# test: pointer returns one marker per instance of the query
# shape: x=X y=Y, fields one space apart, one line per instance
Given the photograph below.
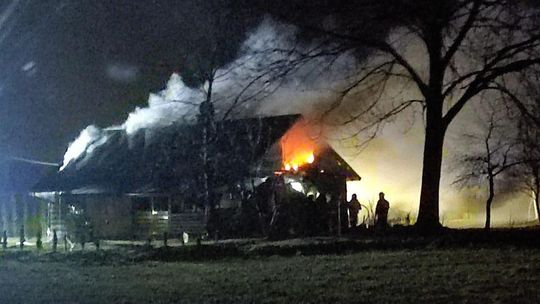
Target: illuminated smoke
x=392 y=162
x=165 y=108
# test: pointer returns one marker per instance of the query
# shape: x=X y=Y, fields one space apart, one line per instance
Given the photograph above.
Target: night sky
x=67 y=64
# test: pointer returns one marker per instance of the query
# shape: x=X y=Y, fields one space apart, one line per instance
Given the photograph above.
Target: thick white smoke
x=233 y=88
x=89 y=139
x=173 y=104
x=165 y=108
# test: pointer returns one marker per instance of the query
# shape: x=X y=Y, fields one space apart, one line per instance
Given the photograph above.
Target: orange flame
x=297 y=147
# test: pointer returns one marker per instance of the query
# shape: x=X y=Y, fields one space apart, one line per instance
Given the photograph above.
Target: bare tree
x=527 y=100
x=206 y=64
x=528 y=173
x=495 y=157
x=468 y=47
x=529 y=170
x=202 y=65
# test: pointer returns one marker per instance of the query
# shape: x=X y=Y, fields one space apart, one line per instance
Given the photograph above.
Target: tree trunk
x=489 y=201
x=536 y=196
x=207 y=157
x=537 y=205
x=428 y=212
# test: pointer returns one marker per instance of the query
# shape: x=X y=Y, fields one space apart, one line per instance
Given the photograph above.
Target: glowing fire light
x=297 y=147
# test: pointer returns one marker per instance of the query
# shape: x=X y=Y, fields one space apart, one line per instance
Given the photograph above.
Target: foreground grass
x=402 y=276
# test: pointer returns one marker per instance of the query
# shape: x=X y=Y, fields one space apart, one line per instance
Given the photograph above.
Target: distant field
x=463 y=275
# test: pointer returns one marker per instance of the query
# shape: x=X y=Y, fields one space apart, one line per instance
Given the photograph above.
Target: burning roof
x=298 y=146
x=165 y=159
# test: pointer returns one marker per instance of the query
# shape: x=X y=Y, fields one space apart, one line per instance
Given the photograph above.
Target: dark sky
x=67 y=64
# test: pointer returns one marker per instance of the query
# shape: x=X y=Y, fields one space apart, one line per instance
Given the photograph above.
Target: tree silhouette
x=497 y=154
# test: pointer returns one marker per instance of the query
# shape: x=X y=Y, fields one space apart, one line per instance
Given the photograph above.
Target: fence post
x=55 y=240
x=4 y=240
x=21 y=237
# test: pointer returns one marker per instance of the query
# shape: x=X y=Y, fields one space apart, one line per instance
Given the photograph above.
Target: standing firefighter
x=381 y=212
x=354 y=208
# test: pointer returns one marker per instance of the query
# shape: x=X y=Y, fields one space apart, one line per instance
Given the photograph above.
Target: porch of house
x=134 y=216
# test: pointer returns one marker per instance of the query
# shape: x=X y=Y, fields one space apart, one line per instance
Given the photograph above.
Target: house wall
x=171 y=214
x=110 y=215
x=131 y=217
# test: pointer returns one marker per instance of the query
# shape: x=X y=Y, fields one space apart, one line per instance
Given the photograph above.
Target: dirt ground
x=459 y=275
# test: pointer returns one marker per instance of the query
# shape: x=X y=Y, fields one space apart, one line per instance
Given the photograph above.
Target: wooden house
x=139 y=186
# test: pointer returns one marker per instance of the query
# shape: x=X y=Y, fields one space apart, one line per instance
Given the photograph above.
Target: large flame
x=298 y=148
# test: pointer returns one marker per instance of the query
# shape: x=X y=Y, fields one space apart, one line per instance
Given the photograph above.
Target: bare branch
x=475 y=10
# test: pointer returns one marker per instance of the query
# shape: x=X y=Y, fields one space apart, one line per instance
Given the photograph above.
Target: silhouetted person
x=354 y=208
x=381 y=211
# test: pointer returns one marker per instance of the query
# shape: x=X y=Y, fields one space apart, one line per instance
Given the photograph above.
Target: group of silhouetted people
x=339 y=214
x=280 y=214
x=381 y=211
x=344 y=214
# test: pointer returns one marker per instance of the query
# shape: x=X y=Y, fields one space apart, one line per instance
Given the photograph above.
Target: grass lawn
x=463 y=275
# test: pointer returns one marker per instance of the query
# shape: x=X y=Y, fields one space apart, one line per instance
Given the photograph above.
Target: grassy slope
x=434 y=276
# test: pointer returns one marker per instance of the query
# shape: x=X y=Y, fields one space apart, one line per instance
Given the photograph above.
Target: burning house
x=151 y=182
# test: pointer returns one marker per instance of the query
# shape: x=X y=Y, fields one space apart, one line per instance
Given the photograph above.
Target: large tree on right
x=468 y=48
